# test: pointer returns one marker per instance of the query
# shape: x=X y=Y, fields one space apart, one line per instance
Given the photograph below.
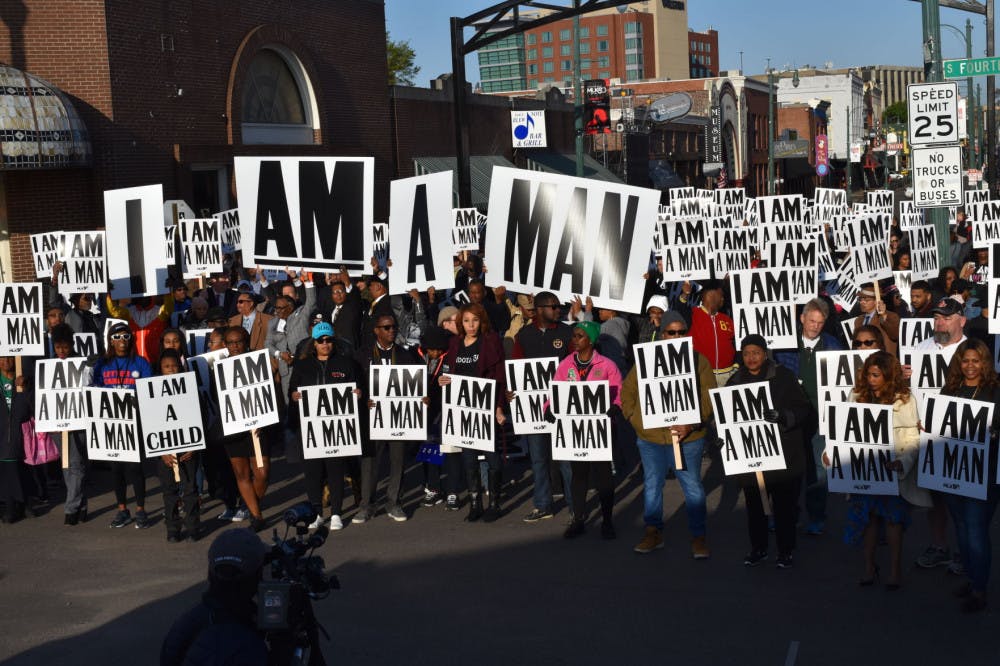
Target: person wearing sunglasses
x=319 y=364
x=875 y=312
x=802 y=362
x=868 y=338
x=657 y=453
x=384 y=351
x=118 y=369
x=255 y=323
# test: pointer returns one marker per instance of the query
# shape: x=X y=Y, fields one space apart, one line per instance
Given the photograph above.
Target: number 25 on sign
x=932 y=110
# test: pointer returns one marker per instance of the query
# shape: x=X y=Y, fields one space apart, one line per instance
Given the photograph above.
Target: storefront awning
x=39 y=128
x=481 y=170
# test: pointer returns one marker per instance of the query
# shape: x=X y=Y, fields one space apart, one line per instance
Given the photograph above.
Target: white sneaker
x=241 y=515
x=316 y=524
x=336 y=523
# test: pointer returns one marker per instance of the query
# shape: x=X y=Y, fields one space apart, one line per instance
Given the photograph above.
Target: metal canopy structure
x=493 y=24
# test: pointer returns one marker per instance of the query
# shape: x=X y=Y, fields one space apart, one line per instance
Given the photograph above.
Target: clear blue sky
x=792 y=32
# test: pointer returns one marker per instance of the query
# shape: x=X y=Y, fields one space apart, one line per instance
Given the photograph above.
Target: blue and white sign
x=527 y=129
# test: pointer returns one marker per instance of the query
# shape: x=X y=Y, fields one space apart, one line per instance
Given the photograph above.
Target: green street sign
x=960 y=69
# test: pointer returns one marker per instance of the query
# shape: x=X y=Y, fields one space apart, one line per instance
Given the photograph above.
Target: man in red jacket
x=713 y=331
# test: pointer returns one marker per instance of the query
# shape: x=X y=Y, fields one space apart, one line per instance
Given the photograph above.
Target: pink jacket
x=601 y=367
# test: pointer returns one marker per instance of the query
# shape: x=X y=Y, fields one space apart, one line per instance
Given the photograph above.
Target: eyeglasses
x=325 y=340
x=866 y=343
x=388 y=327
x=121 y=336
x=675 y=333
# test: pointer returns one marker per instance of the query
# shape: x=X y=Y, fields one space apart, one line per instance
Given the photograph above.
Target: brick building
x=704 y=50
x=169 y=92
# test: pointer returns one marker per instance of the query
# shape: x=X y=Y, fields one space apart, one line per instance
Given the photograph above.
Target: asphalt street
x=437 y=590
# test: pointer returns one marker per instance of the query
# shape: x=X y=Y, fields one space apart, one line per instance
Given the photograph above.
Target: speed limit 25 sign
x=932 y=110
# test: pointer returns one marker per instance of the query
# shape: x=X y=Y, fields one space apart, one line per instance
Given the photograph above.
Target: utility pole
x=577 y=96
x=770 y=128
x=932 y=66
x=969 y=101
x=847 y=169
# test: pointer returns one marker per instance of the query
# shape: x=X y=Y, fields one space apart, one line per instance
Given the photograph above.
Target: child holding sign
x=181 y=492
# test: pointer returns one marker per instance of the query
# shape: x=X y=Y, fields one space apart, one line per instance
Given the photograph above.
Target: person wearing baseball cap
x=222 y=629
x=317 y=364
x=796 y=420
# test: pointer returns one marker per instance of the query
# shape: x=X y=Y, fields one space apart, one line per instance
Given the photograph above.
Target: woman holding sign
x=971 y=376
x=881 y=382
x=15 y=408
x=320 y=364
x=119 y=368
x=478 y=352
x=587 y=365
x=796 y=421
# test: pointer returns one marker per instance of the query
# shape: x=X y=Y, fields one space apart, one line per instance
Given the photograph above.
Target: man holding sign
x=795 y=417
x=690 y=395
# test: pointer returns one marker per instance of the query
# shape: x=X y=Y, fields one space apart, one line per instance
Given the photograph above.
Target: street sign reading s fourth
x=932 y=110
x=960 y=69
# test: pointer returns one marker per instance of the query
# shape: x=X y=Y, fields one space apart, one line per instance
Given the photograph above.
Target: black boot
x=494 y=511
x=475 y=507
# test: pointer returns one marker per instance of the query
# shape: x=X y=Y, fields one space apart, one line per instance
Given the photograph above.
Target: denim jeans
x=972 y=525
x=657 y=460
x=540 y=452
x=816 y=490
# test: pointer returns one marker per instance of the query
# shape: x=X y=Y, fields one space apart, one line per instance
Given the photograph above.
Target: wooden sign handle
x=65 y=450
x=878 y=292
x=177 y=472
x=256 y=448
x=765 y=502
x=18 y=371
x=678 y=459
x=201 y=282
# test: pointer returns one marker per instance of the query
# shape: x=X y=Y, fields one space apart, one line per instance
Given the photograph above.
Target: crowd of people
x=330 y=328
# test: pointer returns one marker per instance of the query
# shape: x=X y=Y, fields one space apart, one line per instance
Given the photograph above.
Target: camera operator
x=222 y=628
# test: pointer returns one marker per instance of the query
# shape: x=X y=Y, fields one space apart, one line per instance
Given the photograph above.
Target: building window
x=566 y=65
x=278 y=102
x=566 y=50
x=532 y=54
x=633 y=28
x=584 y=47
x=565 y=35
x=584 y=32
x=585 y=63
x=708 y=60
x=604 y=75
x=633 y=43
x=602 y=45
x=546 y=37
x=532 y=68
x=633 y=58
x=604 y=61
x=546 y=51
x=602 y=31
x=532 y=83
x=531 y=39
x=549 y=79
x=548 y=67
x=708 y=48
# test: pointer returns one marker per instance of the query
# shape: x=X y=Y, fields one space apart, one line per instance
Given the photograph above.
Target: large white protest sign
x=860 y=448
x=780 y=208
x=171 y=240
x=881 y=200
x=923 y=252
x=468 y=413
x=419 y=227
x=530 y=380
x=170 y=414
x=86 y=344
x=398 y=393
x=929 y=369
x=466 y=226
x=836 y=375
x=749 y=442
x=763 y=305
x=59 y=400
x=84 y=267
x=196 y=340
x=328 y=419
x=955 y=446
x=380 y=243
x=571 y=236
x=229 y=228
x=668 y=383
x=868 y=241
x=245 y=392
x=689 y=207
x=201 y=246
x=913 y=331
x=729 y=202
x=21 y=329
x=844 y=290
x=685 y=250
x=732 y=250
x=985 y=220
x=133 y=216
x=46 y=250
x=826 y=267
x=582 y=431
x=903 y=280
x=202 y=365
x=112 y=432
x=314 y=212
